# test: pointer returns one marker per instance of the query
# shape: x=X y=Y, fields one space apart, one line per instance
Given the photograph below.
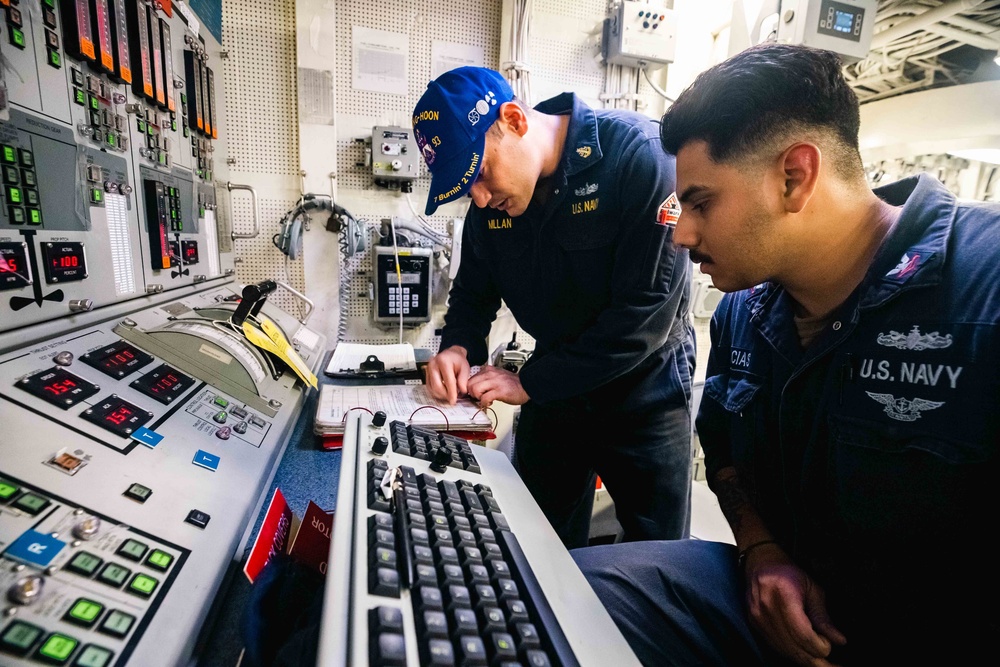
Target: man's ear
x=800 y=165
x=513 y=117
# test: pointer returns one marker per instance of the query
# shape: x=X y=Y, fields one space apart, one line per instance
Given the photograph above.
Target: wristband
x=741 y=560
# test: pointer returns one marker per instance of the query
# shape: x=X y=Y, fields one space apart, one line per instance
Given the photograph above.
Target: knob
x=81 y=305
x=87 y=527
x=126 y=189
x=64 y=358
x=380 y=445
x=397 y=165
x=378 y=419
x=442 y=458
x=26 y=590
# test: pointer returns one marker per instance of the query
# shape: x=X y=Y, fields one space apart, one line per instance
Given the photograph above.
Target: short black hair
x=741 y=105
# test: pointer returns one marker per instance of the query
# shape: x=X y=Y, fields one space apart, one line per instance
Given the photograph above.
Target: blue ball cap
x=450 y=123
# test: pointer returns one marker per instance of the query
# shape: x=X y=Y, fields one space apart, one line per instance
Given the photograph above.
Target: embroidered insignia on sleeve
x=669 y=211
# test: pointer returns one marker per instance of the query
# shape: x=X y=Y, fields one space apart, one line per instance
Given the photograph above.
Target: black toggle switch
x=442 y=459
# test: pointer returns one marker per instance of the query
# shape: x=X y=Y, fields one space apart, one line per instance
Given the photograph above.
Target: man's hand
x=495 y=384
x=447 y=374
x=788 y=608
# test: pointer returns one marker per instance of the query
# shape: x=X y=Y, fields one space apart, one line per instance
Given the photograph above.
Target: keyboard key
x=458 y=597
x=426 y=576
x=501 y=647
x=385 y=557
x=484 y=596
x=527 y=636
x=499 y=521
x=390 y=649
x=516 y=611
x=452 y=574
x=434 y=624
x=537 y=658
x=440 y=653
x=447 y=554
x=471 y=650
x=429 y=597
x=387 y=619
x=492 y=620
x=464 y=621
x=384 y=581
x=498 y=569
x=508 y=589
x=478 y=574
x=423 y=554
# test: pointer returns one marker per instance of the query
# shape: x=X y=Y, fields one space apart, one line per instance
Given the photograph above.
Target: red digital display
x=163 y=384
x=117 y=360
x=117 y=415
x=64 y=262
x=58 y=387
x=14 y=269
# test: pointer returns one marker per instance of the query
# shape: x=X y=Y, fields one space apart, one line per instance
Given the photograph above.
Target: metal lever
x=256 y=210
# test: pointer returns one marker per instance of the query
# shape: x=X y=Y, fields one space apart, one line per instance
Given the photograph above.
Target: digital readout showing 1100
x=163 y=384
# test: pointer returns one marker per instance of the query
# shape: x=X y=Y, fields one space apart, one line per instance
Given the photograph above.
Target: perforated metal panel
x=261 y=116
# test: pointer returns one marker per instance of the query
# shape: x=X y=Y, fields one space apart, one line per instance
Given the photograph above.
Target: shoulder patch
x=669 y=211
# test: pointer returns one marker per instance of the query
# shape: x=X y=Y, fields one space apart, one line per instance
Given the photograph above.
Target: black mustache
x=698 y=257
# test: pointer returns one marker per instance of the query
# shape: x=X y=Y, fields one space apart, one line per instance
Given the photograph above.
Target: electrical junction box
x=641 y=34
x=409 y=292
x=842 y=26
x=395 y=156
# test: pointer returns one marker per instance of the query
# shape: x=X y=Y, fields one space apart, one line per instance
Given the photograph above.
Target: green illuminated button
x=221 y=402
x=57 y=648
x=132 y=549
x=159 y=560
x=117 y=623
x=173 y=125
x=150 y=129
x=141 y=126
x=9 y=154
x=114 y=575
x=187 y=133
x=14 y=196
x=16 y=37
x=80 y=97
x=31 y=503
x=143 y=585
x=184 y=98
x=19 y=637
x=7 y=490
x=96 y=195
x=112 y=140
x=138 y=492
x=34 y=216
x=84 y=612
x=55 y=60
x=93 y=656
x=50 y=3
x=94 y=104
x=27 y=157
x=84 y=563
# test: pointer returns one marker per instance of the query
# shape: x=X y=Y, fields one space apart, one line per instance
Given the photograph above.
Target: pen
x=402 y=530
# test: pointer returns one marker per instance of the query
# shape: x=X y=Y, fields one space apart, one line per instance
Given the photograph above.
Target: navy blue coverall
x=595 y=279
x=870 y=455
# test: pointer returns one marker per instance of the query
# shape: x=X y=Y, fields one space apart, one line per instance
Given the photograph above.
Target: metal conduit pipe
x=921 y=22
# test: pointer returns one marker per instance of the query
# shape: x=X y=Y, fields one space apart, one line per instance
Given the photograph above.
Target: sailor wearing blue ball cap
x=571 y=226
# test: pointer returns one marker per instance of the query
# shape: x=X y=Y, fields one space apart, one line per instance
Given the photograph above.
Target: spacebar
x=536 y=602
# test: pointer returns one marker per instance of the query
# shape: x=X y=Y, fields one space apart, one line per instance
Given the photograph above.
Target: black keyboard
x=427 y=566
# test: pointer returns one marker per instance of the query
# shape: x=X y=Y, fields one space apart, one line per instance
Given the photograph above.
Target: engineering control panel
x=135 y=452
x=112 y=156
